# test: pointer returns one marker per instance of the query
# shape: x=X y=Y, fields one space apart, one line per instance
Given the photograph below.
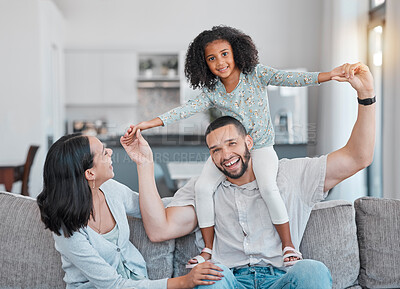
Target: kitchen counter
x=161 y=140
x=165 y=150
x=156 y=140
x=173 y=148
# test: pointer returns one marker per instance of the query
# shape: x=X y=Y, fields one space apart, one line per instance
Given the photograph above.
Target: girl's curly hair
x=245 y=55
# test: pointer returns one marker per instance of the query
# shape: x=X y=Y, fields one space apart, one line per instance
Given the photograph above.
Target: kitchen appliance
x=289 y=113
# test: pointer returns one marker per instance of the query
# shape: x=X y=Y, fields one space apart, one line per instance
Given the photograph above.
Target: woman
x=86 y=211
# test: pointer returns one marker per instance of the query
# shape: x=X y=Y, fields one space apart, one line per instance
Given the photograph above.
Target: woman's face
x=102 y=164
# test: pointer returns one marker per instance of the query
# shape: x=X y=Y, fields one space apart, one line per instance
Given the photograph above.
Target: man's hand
x=359 y=77
x=137 y=148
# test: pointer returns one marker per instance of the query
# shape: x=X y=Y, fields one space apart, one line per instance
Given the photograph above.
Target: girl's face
x=102 y=169
x=219 y=58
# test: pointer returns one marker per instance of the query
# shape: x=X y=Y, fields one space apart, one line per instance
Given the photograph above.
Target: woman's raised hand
x=137 y=148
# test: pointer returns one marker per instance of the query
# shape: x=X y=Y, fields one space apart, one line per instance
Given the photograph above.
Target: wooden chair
x=22 y=172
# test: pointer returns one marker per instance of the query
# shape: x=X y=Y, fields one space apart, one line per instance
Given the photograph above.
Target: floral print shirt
x=248 y=102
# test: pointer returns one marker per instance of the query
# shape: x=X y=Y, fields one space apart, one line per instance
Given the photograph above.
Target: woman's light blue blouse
x=122 y=270
x=90 y=261
x=248 y=102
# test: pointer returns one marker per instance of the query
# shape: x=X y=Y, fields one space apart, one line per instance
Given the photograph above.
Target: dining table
x=181 y=172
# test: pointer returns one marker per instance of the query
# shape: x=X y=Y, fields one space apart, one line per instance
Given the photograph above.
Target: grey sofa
x=360 y=245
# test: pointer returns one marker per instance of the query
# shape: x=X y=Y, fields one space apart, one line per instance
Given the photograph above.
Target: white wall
x=21 y=106
x=23 y=87
x=287 y=34
x=344 y=40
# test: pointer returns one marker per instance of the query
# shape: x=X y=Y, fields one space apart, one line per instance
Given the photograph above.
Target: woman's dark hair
x=245 y=55
x=66 y=200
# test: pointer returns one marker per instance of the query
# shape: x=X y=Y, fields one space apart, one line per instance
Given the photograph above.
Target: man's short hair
x=224 y=121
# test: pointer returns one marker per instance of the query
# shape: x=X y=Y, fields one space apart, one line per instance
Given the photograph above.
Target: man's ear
x=89 y=175
x=249 y=142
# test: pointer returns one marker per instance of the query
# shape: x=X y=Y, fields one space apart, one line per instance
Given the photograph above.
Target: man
x=245 y=239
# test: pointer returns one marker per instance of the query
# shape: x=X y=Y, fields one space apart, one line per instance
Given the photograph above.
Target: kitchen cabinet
x=101 y=77
x=158 y=70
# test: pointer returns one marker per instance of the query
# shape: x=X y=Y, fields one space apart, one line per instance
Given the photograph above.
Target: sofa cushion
x=185 y=249
x=378 y=224
x=27 y=254
x=158 y=256
x=330 y=237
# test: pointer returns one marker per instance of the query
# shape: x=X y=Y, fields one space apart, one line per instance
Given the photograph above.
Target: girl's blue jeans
x=305 y=274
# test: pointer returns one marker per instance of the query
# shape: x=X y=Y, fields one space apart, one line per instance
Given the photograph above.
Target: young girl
x=223 y=62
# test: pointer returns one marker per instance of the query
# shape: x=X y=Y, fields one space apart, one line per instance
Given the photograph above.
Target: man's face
x=229 y=150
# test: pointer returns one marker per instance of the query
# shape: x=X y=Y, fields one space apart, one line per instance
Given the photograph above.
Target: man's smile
x=231 y=162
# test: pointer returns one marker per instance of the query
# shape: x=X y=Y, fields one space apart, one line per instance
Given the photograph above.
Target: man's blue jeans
x=305 y=274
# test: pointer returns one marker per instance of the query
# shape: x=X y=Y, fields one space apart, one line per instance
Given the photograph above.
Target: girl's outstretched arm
x=198 y=104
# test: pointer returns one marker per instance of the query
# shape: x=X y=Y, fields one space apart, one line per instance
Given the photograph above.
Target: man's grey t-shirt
x=244 y=233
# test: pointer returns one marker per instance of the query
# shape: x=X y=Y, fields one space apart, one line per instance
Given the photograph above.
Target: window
x=376 y=3
x=375 y=60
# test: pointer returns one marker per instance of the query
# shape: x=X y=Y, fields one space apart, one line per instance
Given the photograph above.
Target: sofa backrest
x=29 y=259
x=331 y=237
x=159 y=257
x=27 y=255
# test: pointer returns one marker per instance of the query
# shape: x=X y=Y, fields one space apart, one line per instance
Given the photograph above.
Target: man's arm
x=358 y=152
x=160 y=224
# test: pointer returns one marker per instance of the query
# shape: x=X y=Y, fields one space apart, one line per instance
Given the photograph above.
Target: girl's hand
x=129 y=135
x=137 y=148
x=204 y=271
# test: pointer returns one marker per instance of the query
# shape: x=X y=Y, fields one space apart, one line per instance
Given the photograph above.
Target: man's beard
x=245 y=164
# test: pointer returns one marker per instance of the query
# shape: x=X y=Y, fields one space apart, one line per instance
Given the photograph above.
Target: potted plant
x=172 y=65
x=146 y=65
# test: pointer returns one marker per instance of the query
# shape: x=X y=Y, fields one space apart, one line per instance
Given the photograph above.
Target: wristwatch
x=367 y=101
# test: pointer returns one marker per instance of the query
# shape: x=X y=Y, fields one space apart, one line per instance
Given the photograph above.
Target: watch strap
x=366 y=101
